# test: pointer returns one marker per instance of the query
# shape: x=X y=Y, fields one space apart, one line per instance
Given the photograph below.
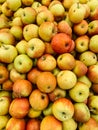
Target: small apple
x=38 y=100
x=46 y=2
x=16 y=123
x=48 y=49
x=55 y=71
x=3 y=121
x=5 y=93
x=16 y=21
x=95 y=88
x=21 y=65
x=7 y=85
x=63 y=109
x=27 y=2
x=94 y=14
x=81 y=112
x=67 y=4
x=80 y=92
x=66 y=79
x=19 y=107
x=7 y=53
x=30 y=31
x=48 y=111
x=35 y=48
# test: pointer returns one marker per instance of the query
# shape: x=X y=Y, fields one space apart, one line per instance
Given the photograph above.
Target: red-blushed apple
x=92 y=104
x=28 y=15
x=92 y=73
x=91 y=124
x=61 y=43
x=22 y=88
x=38 y=7
x=16 y=124
x=46 y=82
x=74 y=12
x=92 y=28
x=50 y=122
x=30 y=31
x=93 y=44
x=3 y=121
x=81 y=112
x=7 y=53
x=63 y=109
x=46 y=62
x=82 y=43
x=47 y=30
x=88 y=57
x=14 y=5
x=81 y=28
x=21 y=65
x=15 y=75
x=80 y=92
x=46 y=2
x=43 y=16
x=48 y=49
x=94 y=87
x=80 y=68
x=48 y=111
x=56 y=93
x=38 y=100
x=34 y=113
x=64 y=27
x=70 y=124
x=94 y=14
x=4 y=105
x=4 y=74
x=27 y=2
x=35 y=48
x=19 y=107
x=66 y=79
x=66 y=61
x=7 y=85
x=33 y=124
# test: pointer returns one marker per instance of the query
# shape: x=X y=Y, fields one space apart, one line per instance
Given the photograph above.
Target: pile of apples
x=48 y=64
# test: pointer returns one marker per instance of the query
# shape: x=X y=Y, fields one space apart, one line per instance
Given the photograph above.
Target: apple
x=56 y=93
x=92 y=28
x=48 y=111
x=95 y=117
x=61 y=43
x=3 y=121
x=43 y=16
x=16 y=123
x=55 y=71
x=81 y=28
x=21 y=65
x=7 y=53
x=28 y=15
x=81 y=112
x=74 y=12
x=66 y=79
x=93 y=4
x=70 y=124
x=14 y=5
x=34 y=113
x=33 y=124
x=91 y=124
x=16 y=21
x=95 y=88
x=15 y=75
x=46 y=62
x=5 y=93
x=38 y=100
x=80 y=68
x=92 y=44
x=22 y=88
x=66 y=61
x=49 y=49
x=92 y=73
x=82 y=43
x=39 y=7
x=80 y=92
x=30 y=31
x=35 y=48
x=94 y=14
x=88 y=11
x=4 y=74
x=4 y=105
x=67 y=4
x=4 y=22
x=47 y=30
x=46 y=2
x=18 y=12
x=21 y=46
x=83 y=1
x=51 y=122
x=27 y=2
x=7 y=85
x=19 y=107
x=63 y=109
x=88 y=58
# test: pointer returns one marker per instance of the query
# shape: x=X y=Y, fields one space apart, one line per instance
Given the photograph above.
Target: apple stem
x=78 y=5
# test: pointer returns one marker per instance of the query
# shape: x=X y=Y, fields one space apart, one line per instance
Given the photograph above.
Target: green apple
x=80 y=92
x=14 y=5
x=21 y=65
x=66 y=79
x=30 y=31
x=4 y=121
x=63 y=109
x=5 y=93
x=88 y=58
x=55 y=71
x=81 y=112
x=93 y=4
x=48 y=111
x=70 y=124
x=7 y=53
